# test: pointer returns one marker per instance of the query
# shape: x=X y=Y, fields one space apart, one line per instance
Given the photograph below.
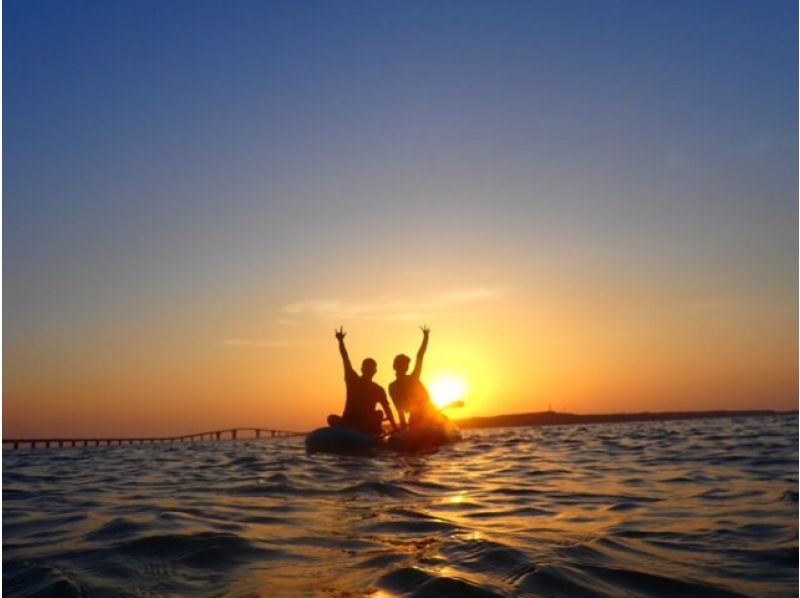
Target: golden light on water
x=446 y=388
x=456 y=500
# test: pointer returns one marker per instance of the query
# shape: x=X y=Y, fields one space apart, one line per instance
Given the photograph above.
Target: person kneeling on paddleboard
x=362 y=396
x=409 y=394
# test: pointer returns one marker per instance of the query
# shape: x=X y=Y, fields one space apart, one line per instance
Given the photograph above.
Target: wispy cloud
x=393 y=309
x=420 y=309
x=471 y=295
x=286 y=322
x=253 y=343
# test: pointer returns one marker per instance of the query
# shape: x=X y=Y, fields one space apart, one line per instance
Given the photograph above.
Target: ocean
x=679 y=508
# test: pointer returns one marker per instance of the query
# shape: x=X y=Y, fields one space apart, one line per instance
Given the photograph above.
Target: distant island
x=553 y=418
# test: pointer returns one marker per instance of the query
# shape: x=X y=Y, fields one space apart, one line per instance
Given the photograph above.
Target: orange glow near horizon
x=507 y=353
x=567 y=342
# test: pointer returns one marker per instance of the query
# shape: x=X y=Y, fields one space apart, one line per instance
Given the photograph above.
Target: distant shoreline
x=553 y=418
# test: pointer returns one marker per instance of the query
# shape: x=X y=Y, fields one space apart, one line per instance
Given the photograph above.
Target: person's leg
x=372 y=425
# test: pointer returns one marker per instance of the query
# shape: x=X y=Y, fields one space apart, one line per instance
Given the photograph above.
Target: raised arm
x=348 y=367
x=421 y=353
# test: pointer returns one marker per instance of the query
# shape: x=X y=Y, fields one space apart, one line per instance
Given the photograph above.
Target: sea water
x=689 y=508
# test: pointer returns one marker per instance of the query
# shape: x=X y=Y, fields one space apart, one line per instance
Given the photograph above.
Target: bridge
x=226 y=434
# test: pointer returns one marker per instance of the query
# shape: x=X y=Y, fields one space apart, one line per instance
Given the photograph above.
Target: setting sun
x=446 y=388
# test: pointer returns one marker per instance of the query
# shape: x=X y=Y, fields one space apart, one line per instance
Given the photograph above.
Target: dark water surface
x=691 y=508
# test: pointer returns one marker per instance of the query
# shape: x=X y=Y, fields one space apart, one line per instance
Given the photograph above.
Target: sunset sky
x=592 y=204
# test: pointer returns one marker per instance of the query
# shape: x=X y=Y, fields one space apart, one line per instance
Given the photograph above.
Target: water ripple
x=642 y=509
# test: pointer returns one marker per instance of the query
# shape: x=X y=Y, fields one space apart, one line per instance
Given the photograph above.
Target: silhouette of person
x=362 y=396
x=407 y=391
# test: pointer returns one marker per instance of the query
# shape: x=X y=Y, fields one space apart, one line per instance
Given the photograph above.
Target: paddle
x=453 y=405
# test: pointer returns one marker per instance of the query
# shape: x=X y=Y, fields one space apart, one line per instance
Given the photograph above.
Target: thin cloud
x=286 y=322
x=472 y=295
x=253 y=343
x=393 y=309
x=311 y=306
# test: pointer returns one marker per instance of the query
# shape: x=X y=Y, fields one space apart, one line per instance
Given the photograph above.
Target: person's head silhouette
x=401 y=363
x=368 y=368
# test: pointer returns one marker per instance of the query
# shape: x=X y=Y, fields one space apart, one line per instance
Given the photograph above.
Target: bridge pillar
x=258 y=433
x=16 y=445
x=273 y=433
x=234 y=433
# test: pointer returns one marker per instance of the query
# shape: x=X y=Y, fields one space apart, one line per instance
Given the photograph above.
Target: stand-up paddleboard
x=341 y=441
x=348 y=441
x=423 y=438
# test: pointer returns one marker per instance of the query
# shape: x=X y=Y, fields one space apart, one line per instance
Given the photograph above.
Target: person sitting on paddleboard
x=407 y=391
x=362 y=396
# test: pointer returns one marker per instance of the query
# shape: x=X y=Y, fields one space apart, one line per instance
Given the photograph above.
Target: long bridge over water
x=226 y=434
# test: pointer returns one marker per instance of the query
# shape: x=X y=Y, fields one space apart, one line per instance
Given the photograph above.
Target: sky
x=592 y=205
